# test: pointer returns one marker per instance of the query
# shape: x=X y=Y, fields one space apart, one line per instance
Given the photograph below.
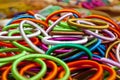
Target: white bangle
x=27 y=39
x=52 y=42
x=57 y=21
x=17 y=37
x=118 y=52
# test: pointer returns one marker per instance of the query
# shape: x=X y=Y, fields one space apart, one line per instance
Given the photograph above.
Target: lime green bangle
x=37 y=77
x=9 y=49
x=80 y=47
x=8 y=59
x=34 y=56
x=5 y=28
x=98 y=24
x=2 y=64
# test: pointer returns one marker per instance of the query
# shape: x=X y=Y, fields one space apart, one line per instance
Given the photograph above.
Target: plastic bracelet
x=46 y=40
x=60 y=11
x=82 y=53
x=20 y=16
x=37 y=77
x=27 y=39
x=112 y=72
x=106 y=19
x=17 y=37
x=110 y=47
x=70 y=46
x=51 y=64
x=117 y=52
x=17 y=75
x=57 y=21
x=8 y=59
x=101 y=24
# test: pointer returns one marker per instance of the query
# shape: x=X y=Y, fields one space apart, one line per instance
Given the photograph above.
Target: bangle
x=70 y=46
x=17 y=37
x=117 y=52
x=20 y=16
x=46 y=40
x=27 y=39
x=57 y=21
x=19 y=77
x=112 y=75
x=60 y=11
x=82 y=53
x=110 y=47
x=105 y=19
x=101 y=24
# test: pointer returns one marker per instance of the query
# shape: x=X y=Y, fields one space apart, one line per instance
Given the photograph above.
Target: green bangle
x=80 y=47
x=9 y=49
x=76 y=50
x=5 y=28
x=19 y=77
x=37 y=77
x=99 y=24
x=8 y=59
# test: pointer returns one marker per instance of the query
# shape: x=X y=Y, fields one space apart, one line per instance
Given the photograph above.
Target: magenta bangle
x=64 y=38
x=45 y=48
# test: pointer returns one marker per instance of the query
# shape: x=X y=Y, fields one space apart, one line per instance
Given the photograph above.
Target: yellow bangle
x=98 y=24
x=109 y=48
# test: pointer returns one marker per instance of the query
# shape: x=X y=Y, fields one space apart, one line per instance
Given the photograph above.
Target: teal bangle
x=32 y=56
x=80 y=47
x=8 y=59
x=5 y=28
x=39 y=74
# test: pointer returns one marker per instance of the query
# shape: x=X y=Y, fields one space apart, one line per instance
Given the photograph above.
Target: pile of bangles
x=60 y=47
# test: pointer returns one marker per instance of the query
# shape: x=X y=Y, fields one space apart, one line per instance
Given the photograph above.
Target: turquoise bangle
x=80 y=47
x=34 y=56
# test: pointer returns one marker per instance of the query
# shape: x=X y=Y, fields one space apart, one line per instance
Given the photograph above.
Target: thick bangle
x=27 y=39
x=17 y=37
x=61 y=11
x=101 y=24
x=46 y=40
x=70 y=46
x=19 y=77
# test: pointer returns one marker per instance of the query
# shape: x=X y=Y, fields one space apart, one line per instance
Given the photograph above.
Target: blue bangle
x=78 y=55
x=102 y=53
x=18 y=17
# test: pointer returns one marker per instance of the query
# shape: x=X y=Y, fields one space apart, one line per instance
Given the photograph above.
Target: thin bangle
x=17 y=37
x=45 y=26
x=117 y=52
x=101 y=24
x=112 y=72
x=105 y=19
x=57 y=21
x=27 y=39
x=82 y=53
x=18 y=76
x=20 y=16
x=5 y=73
x=46 y=40
x=70 y=46
x=37 y=77
x=60 y=11
x=110 y=47
x=109 y=61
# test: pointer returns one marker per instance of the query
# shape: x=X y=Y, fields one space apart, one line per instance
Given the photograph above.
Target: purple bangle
x=64 y=38
x=93 y=58
x=45 y=48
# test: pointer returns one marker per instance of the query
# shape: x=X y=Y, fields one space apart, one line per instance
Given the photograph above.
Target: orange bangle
x=61 y=11
x=106 y=19
x=30 y=12
x=5 y=73
x=112 y=72
x=50 y=64
x=45 y=26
